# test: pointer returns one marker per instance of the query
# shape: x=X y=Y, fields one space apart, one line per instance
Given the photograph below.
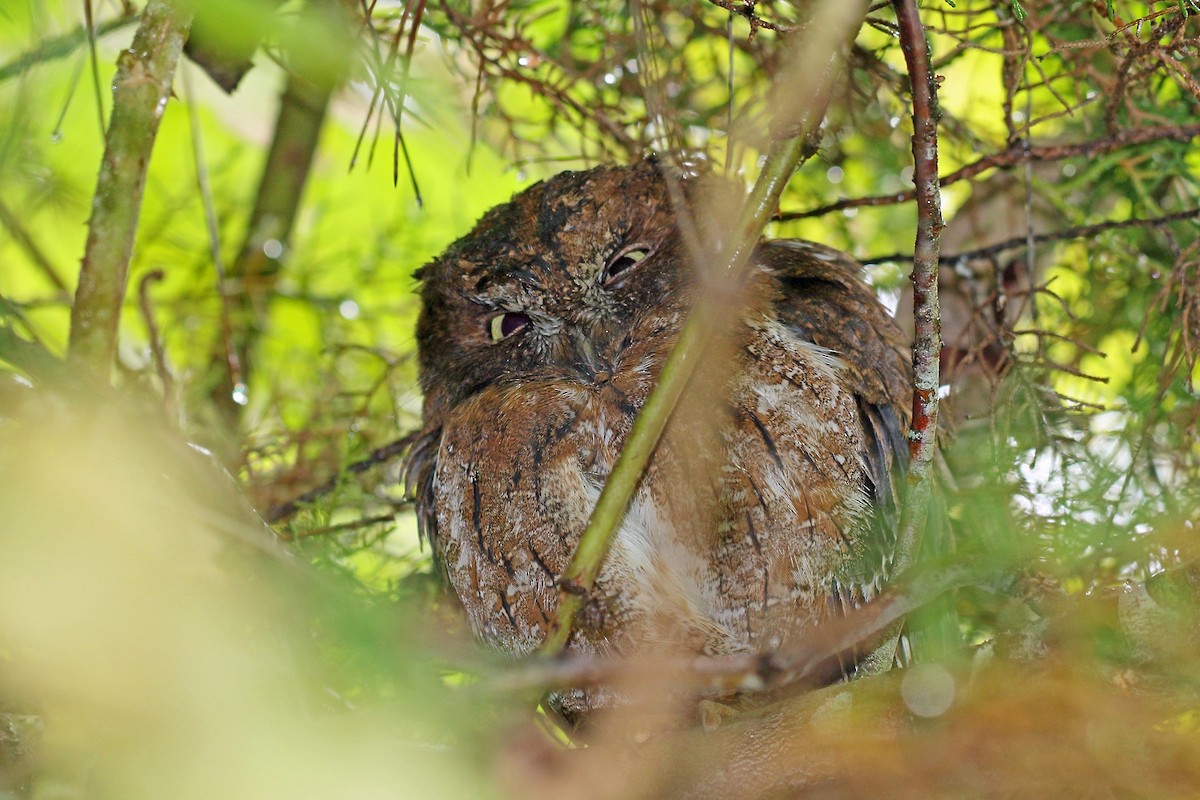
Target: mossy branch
x=140 y=92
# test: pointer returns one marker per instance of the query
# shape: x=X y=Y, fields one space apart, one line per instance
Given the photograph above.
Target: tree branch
x=341 y=527
x=927 y=339
x=746 y=11
x=12 y=223
x=319 y=50
x=140 y=92
x=156 y=348
x=256 y=269
x=858 y=631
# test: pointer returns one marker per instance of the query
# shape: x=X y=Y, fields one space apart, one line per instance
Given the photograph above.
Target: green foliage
x=172 y=650
x=1071 y=456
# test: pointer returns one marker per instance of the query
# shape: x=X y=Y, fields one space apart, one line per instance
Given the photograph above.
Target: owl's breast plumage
x=726 y=556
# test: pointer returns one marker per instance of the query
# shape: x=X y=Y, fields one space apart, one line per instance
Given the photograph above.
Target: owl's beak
x=589 y=362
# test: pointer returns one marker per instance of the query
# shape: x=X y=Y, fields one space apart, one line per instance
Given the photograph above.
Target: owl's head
x=571 y=280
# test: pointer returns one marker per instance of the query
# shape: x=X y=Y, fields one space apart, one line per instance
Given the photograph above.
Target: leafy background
x=152 y=637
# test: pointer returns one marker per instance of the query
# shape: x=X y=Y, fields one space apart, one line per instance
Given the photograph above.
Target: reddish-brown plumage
x=542 y=333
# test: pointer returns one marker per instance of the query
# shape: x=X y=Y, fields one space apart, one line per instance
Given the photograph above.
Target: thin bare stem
x=746 y=11
x=156 y=348
x=140 y=93
x=927 y=340
x=1078 y=232
x=90 y=22
x=754 y=672
x=382 y=455
x=1017 y=153
x=341 y=527
x=214 y=232
x=16 y=229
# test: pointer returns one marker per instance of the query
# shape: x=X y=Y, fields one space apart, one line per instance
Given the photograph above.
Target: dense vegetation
x=157 y=638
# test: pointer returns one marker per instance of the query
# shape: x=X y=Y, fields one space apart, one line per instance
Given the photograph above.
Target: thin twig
x=60 y=46
x=156 y=347
x=214 y=233
x=1078 y=232
x=12 y=223
x=382 y=455
x=745 y=10
x=140 y=93
x=90 y=22
x=341 y=527
x=255 y=270
x=1014 y=155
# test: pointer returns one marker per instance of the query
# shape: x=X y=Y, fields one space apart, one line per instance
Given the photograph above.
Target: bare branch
x=927 y=339
x=156 y=348
x=256 y=269
x=1078 y=232
x=16 y=229
x=808 y=655
x=1015 y=155
x=745 y=10
x=341 y=527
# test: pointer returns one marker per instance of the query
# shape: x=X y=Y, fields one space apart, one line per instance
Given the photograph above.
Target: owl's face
x=575 y=279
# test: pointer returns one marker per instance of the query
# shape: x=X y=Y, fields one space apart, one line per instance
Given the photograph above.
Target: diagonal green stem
x=697 y=332
x=799 y=115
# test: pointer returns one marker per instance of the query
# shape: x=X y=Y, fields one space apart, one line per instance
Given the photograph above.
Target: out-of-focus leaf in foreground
x=171 y=650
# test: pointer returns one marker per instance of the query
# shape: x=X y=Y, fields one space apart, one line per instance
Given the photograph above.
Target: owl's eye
x=505 y=325
x=625 y=260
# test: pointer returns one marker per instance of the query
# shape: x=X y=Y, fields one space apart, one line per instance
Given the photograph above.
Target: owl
x=766 y=506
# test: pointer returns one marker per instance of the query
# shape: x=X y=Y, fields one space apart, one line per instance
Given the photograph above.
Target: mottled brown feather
x=766 y=508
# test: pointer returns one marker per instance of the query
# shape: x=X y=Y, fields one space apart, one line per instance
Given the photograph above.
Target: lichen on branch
x=927 y=340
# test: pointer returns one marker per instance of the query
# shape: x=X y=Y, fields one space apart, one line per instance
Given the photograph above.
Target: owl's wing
x=825 y=301
x=419 y=470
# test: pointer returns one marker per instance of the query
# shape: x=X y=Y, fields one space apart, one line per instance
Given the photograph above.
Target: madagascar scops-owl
x=541 y=334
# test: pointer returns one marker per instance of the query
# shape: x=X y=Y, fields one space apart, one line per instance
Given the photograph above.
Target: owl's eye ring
x=624 y=260
x=506 y=324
